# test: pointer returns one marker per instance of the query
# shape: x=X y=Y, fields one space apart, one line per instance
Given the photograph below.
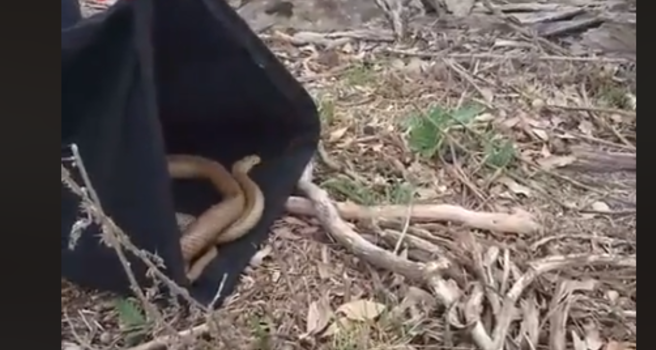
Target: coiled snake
x=226 y=221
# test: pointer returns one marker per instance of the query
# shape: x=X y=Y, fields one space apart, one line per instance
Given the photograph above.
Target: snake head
x=252 y=160
x=245 y=164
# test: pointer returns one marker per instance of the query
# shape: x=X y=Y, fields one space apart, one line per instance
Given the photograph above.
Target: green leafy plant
x=425 y=131
x=395 y=193
x=351 y=190
x=499 y=152
x=360 y=74
x=131 y=319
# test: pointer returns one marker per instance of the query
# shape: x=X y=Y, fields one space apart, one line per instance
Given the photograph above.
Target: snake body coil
x=254 y=201
x=224 y=222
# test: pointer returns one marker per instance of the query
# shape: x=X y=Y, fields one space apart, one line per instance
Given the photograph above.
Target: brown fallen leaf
x=615 y=345
x=553 y=162
x=341 y=324
x=530 y=325
x=600 y=207
x=318 y=317
x=542 y=134
x=559 y=310
x=577 y=342
x=515 y=187
x=593 y=339
x=596 y=160
x=361 y=310
x=257 y=259
x=337 y=134
x=586 y=127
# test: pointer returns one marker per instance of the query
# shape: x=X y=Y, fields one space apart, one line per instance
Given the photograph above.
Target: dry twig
x=497 y=222
x=118 y=240
x=431 y=273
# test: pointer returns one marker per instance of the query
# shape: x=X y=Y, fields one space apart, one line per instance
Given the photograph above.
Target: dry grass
x=484 y=132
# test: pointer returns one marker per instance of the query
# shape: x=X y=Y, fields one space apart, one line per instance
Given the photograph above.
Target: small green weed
x=360 y=74
x=426 y=135
x=395 y=193
x=132 y=321
x=351 y=190
x=326 y=109
x=609 y=92
x=615 y=97
x=399 y=193
x=425 y=132
x=261 y=332
x=499 y=152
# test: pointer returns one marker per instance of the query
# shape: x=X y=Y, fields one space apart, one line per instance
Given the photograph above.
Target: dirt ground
x=483 y=119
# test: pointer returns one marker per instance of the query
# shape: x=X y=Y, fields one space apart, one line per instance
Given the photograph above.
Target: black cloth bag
x=148 y=78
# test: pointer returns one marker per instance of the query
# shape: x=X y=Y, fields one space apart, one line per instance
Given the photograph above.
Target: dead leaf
x=70 y=346
x=511 y=123
x=530 y=326
x=614 y=38
x=559 y=309
x=618 y=119
x=537 y=103
x=614 y=345
x=633 y=101
x=485 y=118
x=592 y=337
x=319 y=315
x=418 y=296
x=397 y=64
x=542 y=134
x=508 y=43
x=488 y=94
x=416 y=66
x=600 y=207
x=307 y=231
x=613 y=296
x=286 y=233
x=425 y=193
x=257 y=259
x=361 y=310
x=515 y=187
x=460 y=8
x=545 y=152
x=291 y=221
x=404 y=347
x=572 y=286
x=347 y=48
x=553 y=162
x=338 y=134
x=577 y=342
x=341 y=324
x=324 y=270
x=586 y=127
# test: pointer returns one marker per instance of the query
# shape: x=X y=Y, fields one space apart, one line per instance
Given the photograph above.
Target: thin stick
x=90 y=198
x=497 y=222
x=593 y=109
x=163 y=342
x=122 y=239
x=491 y=56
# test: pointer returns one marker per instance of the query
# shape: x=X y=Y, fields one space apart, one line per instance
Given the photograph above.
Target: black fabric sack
x=153 y=77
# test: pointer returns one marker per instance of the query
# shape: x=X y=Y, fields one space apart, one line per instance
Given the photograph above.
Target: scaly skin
x=203 y=232
x=249 y=218
x=254 y=201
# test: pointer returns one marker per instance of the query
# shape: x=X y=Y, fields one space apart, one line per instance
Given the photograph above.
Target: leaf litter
x=479 y=130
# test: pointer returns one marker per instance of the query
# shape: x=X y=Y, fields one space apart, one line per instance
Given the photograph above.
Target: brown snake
x=224 y=222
